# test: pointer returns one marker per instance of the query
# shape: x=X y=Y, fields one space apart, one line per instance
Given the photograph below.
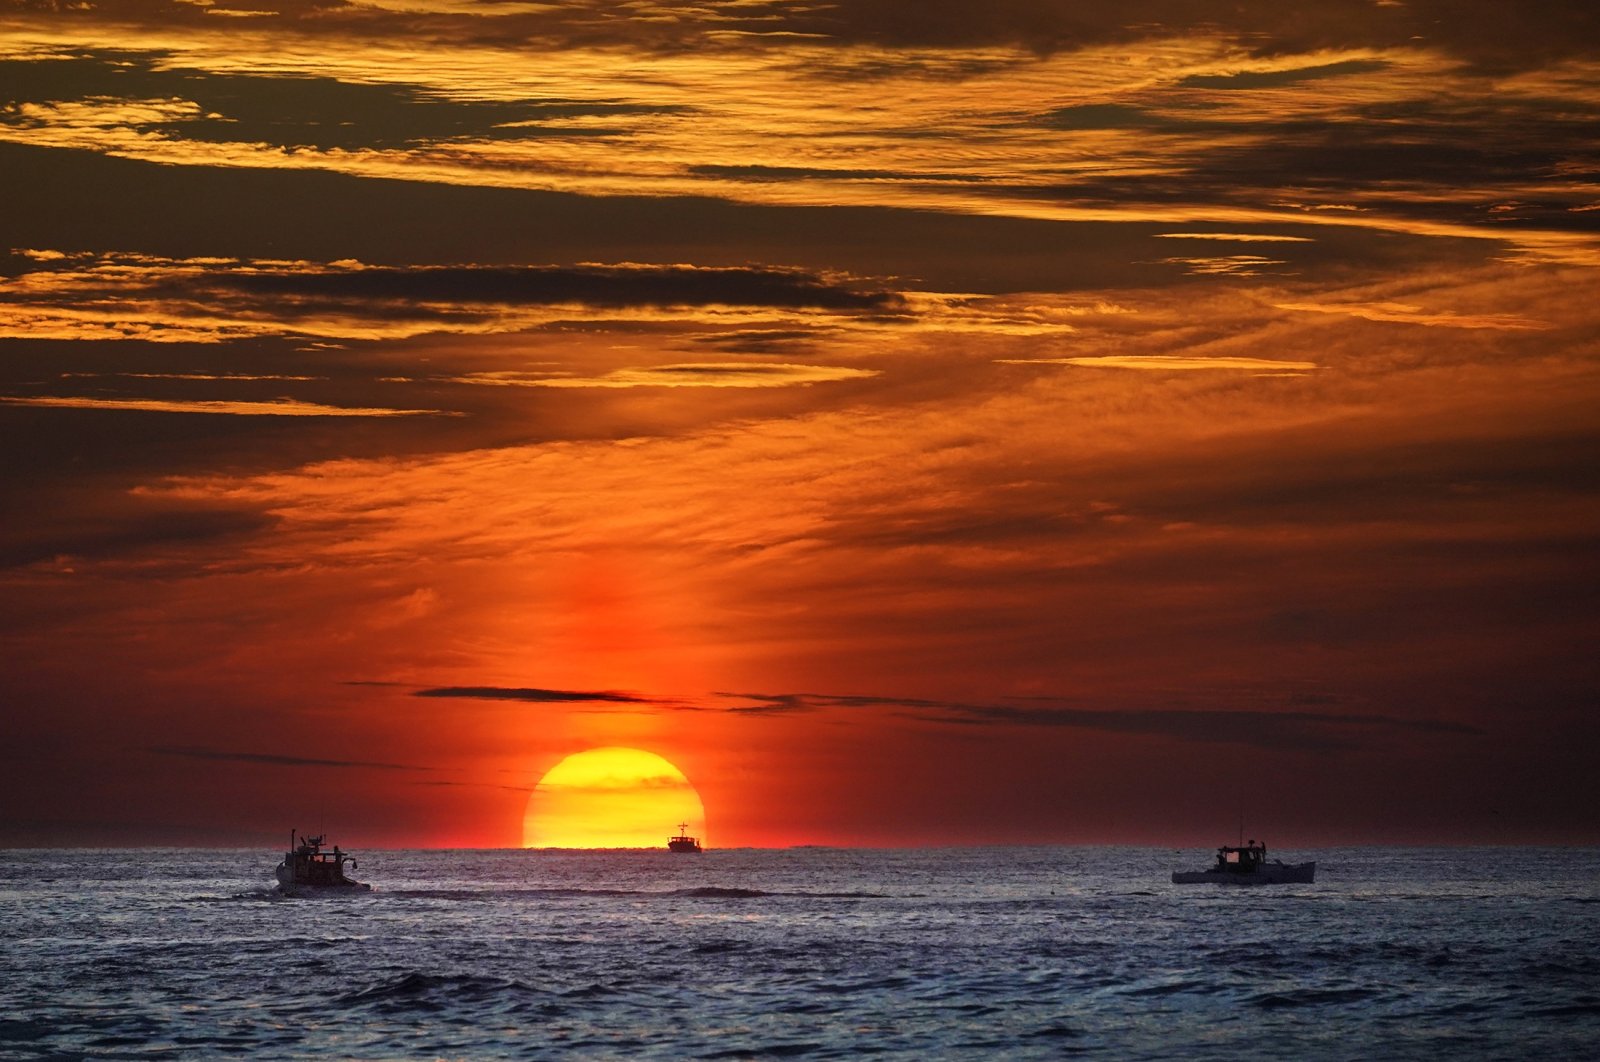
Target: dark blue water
x=809 y=953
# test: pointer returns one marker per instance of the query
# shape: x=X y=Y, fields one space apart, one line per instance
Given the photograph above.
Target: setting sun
x=611 y=798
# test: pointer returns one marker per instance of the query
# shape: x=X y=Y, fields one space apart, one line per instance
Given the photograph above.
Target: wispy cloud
x=1407 y=313
x=473 y=785
x=618 y=784
x=123 y=296
x=283 y=407
x=1287 y=729
x=276 y=760
x=698 y=374
x=1234 y=237
x=205 y=376
x=1275 y=76
x=625 y=284
x=1173 y=363
x=1222 y=120
x=531 y=695
x=1233 y=265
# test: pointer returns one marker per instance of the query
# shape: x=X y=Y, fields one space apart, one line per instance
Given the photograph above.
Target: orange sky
x=918 y=424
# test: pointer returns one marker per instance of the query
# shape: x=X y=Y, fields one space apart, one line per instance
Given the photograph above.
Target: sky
x=917 y=422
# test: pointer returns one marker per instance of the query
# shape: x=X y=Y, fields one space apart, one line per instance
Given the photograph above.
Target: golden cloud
x=283 y=407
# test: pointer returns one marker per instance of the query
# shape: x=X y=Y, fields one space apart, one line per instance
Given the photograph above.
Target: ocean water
x=803 y=953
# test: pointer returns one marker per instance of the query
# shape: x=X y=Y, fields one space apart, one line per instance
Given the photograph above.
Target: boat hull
x=1264 y=874
x=287 y=886
x=324 y=892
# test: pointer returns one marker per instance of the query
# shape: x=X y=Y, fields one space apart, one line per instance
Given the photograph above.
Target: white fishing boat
x=307 y=870
x=1246 y=864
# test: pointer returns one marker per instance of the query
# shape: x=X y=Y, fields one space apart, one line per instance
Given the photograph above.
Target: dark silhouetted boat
x=1246 y=864
x=307 y=870
x=683 y=842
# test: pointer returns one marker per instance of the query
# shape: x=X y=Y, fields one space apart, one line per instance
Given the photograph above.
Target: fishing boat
x=683 y=842
x=307 y=870
x=1246 y=864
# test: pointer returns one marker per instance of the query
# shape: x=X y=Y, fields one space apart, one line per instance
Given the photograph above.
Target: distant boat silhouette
x=683 y=842
x=1247 y=864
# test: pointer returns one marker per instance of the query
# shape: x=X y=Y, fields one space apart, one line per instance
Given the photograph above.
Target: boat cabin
x=1244 y=859
x=308 y=864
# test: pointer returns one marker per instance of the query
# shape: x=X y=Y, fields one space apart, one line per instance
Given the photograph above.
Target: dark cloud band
x=598 y=285
x=1309 y=731
x=537 y=696
x=457 y=287
x=1482 y=32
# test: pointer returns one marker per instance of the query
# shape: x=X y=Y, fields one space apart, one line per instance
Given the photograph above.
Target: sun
x=611 y=797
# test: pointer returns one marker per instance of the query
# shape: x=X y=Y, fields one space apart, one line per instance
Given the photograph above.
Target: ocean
x=980 y=953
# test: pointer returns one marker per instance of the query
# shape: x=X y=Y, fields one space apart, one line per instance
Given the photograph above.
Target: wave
x=714 y=892
x=1569 y=1010
x=719 y=947
x=774 y=1050
x=431 y=991
x=491 y=893
x=703 y=892
x=1313 y=997
x=1172 y=988
x=1055 y=1032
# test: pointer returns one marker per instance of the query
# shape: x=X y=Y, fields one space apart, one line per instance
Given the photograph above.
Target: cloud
x=127 y=295
x=282 y=407
x=1087 y=116
x=1472 y=30
x=85 y=276
x=703 y=374
x=120 y=528
x=1407 y=313
x=209 y=376
x=304 y=216
x=276 y=760
x=768 y=703
x=1234 y=237
x=1277 y=78
x=1159 y=127
x=1293 y=729
x=1236 y=265
x=530 y=695
x=591 y=284
x=292 y=112
x=753 y=172
x=1172 y=363
x=762 y=340
x=616 y=784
